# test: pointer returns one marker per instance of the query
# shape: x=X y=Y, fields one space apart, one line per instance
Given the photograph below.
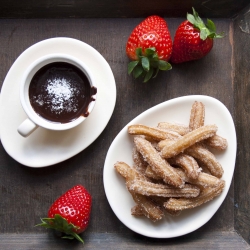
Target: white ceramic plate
x=44 y=147
x=176 y=110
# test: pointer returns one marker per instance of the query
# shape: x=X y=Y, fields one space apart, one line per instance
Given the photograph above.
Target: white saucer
x=44 y=147
x=175 y=110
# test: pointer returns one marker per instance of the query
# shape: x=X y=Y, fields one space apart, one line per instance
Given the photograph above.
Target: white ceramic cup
x=34 y=120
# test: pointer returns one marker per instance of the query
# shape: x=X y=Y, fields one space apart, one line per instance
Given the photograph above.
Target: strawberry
x=193 y=39
x=70 y=213
x=150 y=47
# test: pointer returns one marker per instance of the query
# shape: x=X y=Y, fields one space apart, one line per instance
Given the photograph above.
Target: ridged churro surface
x=154 y=133
x=197 y=115
x=188 y=140
x=188 y=163
x=207 y=158
x=159 y=165
x=207 y=194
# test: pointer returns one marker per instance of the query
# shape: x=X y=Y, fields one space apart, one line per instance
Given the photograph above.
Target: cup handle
x=26 y=127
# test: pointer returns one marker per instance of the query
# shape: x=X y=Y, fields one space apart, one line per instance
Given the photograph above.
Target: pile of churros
x=173 y=166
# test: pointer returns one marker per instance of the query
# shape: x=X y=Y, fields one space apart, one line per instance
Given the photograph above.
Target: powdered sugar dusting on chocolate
x=61 y=94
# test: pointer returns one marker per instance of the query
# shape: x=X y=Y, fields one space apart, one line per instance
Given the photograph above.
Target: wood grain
x=113 y=241
x=117 y=8
x=241 y=42
x=27 y=193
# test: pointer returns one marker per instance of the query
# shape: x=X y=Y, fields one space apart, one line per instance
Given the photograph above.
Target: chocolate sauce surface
x=60 y=92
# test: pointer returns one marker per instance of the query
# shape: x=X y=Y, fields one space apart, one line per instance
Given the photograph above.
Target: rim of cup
x=24 y=90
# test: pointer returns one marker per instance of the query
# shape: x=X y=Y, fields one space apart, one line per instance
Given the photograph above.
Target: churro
x=152 y=189
x=188 y=140
x=197 y=115
x=128 y=172
x=160 y=202
x=163 y=143
x=139 y=164
x=188 y=163
x=137 y=210
x=203 y=180
x=178 y=128
x=169 y=166
x=217 y=142
x=159 y=165
x=148 y=207
x=151 y=174
x=154 y=133
x=207 y=194
x=207 y=158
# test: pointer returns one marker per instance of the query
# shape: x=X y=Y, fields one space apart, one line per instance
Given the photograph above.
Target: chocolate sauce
x=60 y=92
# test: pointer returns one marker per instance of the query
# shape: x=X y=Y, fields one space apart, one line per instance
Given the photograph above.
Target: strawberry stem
x=148 y=64
x=206 y=30
x=60 y=224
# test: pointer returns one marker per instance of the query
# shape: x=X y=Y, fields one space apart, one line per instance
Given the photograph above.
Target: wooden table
x=26 y=193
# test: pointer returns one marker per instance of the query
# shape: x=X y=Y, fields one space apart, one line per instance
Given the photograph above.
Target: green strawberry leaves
x=211 y=25
x=206 y=30
x=61 y=224
x=131 y=66
x=147 y=65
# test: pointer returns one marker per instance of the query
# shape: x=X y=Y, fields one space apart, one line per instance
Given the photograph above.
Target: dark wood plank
x=117 y=8
x=241 y=41
x=114 y=241
x=27 y=193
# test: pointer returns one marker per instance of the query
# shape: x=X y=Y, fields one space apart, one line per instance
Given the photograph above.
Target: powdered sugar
x=60 y=96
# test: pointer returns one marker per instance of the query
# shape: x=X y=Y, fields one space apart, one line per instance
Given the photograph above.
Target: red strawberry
x=193 y=39
x=150 y=47
x=70 y=213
